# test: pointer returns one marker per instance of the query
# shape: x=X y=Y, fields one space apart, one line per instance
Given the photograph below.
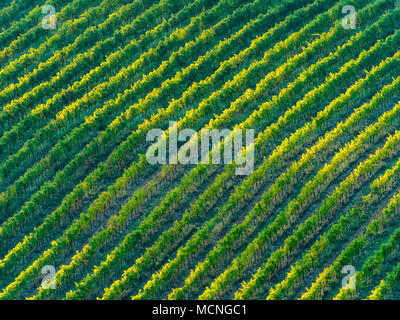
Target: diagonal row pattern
x=76 y=189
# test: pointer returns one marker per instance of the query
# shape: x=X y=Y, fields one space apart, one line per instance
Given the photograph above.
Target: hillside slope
x=80 y=92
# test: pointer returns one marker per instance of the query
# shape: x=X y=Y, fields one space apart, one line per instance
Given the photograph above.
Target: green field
x=81 y=90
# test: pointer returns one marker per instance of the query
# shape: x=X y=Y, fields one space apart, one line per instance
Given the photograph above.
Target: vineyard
x=84 y=214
